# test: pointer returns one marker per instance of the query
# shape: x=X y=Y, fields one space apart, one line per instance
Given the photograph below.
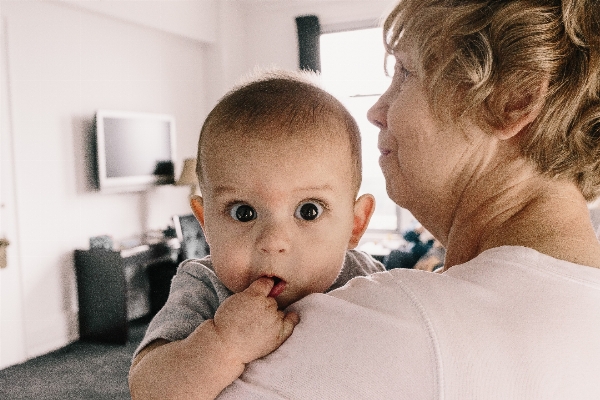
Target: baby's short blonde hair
x=290 y=103
x=475 y=56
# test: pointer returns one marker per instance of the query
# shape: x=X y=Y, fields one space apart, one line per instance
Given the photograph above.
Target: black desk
x=115 y=287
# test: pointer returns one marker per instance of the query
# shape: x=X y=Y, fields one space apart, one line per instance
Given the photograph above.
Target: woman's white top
x=510 y=324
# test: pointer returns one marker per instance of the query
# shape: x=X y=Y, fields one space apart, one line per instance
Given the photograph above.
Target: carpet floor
x=81 y=370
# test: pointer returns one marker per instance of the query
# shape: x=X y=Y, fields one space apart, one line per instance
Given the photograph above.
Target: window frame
x=371 y=233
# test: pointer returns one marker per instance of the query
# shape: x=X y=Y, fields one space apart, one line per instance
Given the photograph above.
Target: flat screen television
x=134 y=151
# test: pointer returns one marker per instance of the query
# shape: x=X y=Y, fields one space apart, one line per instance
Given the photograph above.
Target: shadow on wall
x=69 y=294
x=47 y=327
x=84 y=146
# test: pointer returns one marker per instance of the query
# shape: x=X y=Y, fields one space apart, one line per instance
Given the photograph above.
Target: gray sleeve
x=195 y=295
x=356 y=263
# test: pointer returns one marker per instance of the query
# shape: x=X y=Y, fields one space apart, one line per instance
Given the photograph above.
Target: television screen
x=134 y=150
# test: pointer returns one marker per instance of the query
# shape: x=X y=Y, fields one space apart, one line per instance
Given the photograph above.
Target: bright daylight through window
x=352 y=70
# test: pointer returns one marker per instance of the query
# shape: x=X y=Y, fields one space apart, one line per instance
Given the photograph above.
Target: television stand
x=115 y=287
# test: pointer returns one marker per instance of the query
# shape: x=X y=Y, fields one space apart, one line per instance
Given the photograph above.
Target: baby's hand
x=250 y=325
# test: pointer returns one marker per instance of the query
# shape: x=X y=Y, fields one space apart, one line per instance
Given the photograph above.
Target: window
x=352 y=70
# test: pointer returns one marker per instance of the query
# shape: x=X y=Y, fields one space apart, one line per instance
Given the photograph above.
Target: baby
x=279 y=167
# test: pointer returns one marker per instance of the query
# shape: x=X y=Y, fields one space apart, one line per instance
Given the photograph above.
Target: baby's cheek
x=327 y=278
x=229 y=269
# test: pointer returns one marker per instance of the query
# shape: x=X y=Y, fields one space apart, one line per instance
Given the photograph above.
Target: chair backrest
x=189 y=232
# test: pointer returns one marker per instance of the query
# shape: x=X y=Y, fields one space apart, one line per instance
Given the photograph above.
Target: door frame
x=12 y=327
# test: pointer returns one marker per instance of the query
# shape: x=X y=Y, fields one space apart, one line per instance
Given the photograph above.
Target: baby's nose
x=274 y=238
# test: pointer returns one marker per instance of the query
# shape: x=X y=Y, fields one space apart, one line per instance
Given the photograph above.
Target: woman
x=490 y=136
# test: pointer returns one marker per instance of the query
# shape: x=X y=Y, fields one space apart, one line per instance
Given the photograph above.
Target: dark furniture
x=115 y=287
x=160 y=275
x=408 y=257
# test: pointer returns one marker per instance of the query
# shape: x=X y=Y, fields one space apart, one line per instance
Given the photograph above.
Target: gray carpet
x=81 y=370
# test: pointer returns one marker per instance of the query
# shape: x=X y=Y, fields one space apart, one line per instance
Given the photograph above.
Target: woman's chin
x=399 y=194
x=394 y=194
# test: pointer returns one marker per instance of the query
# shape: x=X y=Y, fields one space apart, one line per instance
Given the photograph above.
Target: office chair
x=189 y=233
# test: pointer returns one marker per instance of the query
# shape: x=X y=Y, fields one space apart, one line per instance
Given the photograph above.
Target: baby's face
x=280 y=208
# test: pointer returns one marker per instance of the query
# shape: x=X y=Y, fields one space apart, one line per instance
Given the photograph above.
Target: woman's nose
x=377 y=114
x=274 y=238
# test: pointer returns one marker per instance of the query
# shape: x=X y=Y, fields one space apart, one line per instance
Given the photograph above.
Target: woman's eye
x=309 y=211
x=242 y=213
x=401 y=72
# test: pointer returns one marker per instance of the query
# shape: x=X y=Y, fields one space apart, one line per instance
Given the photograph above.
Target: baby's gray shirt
x=196 y=293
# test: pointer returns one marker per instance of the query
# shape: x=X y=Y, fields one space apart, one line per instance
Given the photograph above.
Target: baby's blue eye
x=242 y=212
x=309 y=211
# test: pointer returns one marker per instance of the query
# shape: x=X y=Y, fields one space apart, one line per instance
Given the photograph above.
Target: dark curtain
x=309 y=31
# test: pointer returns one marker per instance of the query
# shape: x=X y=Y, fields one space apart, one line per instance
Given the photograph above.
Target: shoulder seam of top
x=432 y=337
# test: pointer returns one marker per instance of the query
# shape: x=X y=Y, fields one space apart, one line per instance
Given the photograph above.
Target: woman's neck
x=525 y=209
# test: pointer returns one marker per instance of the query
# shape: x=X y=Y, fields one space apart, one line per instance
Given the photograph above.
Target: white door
x=12 y=343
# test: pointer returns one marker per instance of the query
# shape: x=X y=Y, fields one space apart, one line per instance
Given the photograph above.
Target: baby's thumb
x=290 y=320
x=261 y=286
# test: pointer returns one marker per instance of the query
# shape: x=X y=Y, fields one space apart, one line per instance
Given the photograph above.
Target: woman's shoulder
x=532 y=263
x=484 y=278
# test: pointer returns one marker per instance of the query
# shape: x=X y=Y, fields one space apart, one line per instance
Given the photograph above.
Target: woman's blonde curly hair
x=476 y=56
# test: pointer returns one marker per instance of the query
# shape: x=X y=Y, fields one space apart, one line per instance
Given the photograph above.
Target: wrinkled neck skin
x=505 y=201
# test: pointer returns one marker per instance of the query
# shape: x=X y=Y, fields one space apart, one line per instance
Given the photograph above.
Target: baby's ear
x=364 y=207
x=197 y=205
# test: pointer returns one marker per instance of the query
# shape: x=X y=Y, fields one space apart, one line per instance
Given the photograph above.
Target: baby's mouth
x=278 y=286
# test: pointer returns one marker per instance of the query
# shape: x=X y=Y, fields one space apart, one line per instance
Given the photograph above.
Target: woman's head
x=495 y=61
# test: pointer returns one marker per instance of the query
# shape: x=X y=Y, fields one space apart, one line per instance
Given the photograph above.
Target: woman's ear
x=364 y=207
x=520 y=111
x=197 y=205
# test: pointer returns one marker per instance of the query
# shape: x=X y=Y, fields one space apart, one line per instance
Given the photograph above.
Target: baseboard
x=51 y=334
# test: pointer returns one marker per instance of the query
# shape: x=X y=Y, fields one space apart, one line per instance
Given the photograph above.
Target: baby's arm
x=246 y=326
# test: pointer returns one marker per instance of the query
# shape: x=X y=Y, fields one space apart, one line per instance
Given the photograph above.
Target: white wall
x=63 y=64
x=262 y=34
x=271 y=36
x=194 y=19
